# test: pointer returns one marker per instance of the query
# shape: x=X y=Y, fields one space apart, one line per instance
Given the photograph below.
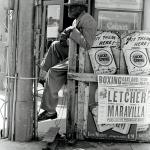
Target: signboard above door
x=120 y=4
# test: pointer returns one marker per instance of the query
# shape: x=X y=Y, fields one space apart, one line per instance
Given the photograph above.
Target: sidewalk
x=82 y=145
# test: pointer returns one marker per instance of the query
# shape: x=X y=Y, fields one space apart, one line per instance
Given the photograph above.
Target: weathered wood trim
x=71 y=97
x=86 y=104
x=72 y=56
x=88 y=65
x=43 y=33
x=81 y=96
x=84 y=77
x=81 y=99
x=53 y=2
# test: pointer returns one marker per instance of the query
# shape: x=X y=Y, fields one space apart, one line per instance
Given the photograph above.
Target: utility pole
x=23 y=129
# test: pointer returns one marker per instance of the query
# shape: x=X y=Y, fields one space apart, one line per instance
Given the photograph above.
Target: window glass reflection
x=114 y=20
x=53 y=19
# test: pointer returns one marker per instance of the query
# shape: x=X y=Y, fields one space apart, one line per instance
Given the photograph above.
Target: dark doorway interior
x=67 y=21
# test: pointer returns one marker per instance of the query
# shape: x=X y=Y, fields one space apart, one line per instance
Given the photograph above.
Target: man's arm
x=86 y=34
x=65 y=35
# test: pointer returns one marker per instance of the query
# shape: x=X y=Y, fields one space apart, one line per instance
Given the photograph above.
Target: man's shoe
x=46 y=115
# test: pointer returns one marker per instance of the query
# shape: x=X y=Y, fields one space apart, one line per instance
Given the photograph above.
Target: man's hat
x=76 y=2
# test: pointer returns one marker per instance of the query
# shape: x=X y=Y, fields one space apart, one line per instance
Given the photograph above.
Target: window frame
x=139 y=12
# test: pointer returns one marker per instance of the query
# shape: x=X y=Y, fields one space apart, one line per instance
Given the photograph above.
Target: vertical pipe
x=13 y=109
x=11 y=4
x=10 y=69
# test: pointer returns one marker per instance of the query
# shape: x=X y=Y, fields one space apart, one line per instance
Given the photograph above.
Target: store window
x=53 y=20
x=114 y=20
x=119 y=14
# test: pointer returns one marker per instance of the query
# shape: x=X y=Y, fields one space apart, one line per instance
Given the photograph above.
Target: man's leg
x=56 y=77
x=54 y=81
x=55 y=54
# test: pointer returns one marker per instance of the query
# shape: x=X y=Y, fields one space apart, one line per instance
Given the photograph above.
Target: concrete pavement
x=8 y=145
x=82 y=145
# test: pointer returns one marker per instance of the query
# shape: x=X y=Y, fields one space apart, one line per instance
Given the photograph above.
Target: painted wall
x=146 y=23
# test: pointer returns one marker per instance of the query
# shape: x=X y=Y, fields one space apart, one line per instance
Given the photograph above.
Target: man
x=83 y=32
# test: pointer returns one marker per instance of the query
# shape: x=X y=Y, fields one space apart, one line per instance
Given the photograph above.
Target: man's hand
x=68 y=30
x=63 y=39
x=42 y=74
x=65 y=35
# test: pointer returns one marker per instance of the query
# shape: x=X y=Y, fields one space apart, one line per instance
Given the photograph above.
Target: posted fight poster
x=123 y=99
x=121 y=107
x=118 y=131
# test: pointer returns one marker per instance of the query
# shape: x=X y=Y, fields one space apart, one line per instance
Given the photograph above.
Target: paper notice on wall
x=137 y=61
x=136 y=49
x=137 y=39
x=123 y=99
x=102 y=60
x=120 y=128
x=106 y=39
x=101 y=53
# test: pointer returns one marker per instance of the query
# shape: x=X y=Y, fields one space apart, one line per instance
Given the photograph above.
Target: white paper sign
x=123 y=99
x=136 y=48
x=101 y=55
x=102 y=60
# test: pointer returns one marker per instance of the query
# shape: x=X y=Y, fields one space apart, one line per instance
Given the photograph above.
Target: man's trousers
x=55 y=63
